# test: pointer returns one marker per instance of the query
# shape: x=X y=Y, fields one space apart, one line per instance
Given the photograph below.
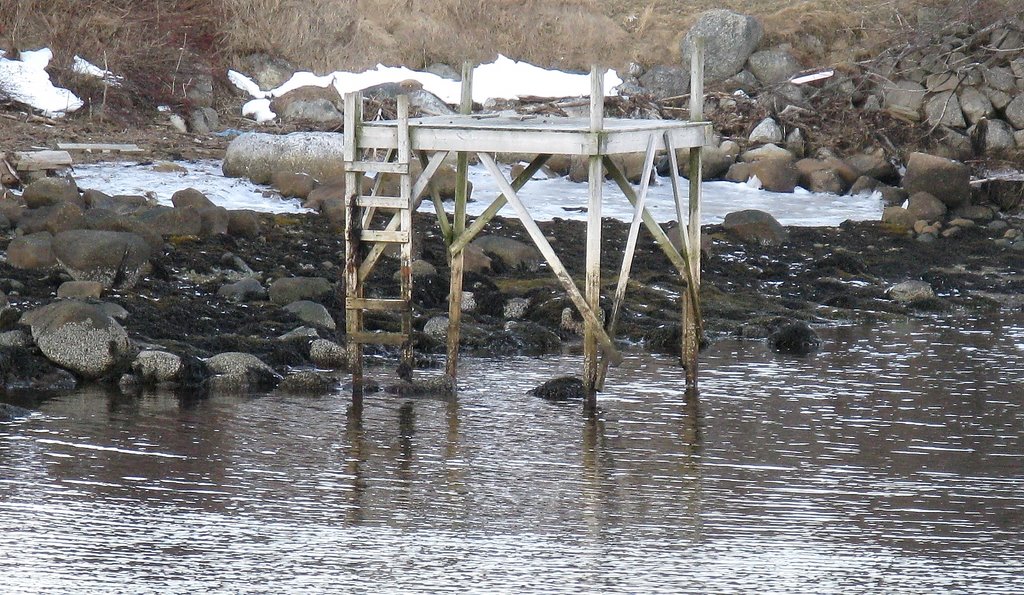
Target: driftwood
x=103 y=147
x=39 y=160
x=8 y=175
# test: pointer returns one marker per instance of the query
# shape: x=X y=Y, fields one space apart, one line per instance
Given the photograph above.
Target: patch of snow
x=205 y=176
x=26 y=81
x=502 y=79
x=546 y=199
x=259 y=110
x=83 y=66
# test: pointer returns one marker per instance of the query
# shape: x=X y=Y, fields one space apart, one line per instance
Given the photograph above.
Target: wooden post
x=595 y=177
x=691 y=301
x=458 y=259
x=353 y=284
x=405 y=269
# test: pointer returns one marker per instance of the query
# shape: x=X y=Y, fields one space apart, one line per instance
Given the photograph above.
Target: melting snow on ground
x=545 y=198
x=502 y=79
x=26 y=81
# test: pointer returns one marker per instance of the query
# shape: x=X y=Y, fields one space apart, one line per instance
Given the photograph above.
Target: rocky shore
x=122 y=291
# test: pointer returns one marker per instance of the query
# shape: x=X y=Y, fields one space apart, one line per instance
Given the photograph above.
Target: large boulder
x=666 y=81
x=943 y=109
x=269 y=72
x=245 y=369
x=776 y=175
x=974 y=105
x=773 y=66
x=113 y=258
x=313 y=313
x=33 y=251
x=322 y=105
x=80 y=337
x=947 y=180
x=513 y=253
x=729 y=39
x=755 y=226
x=925 y=206
x=292 y=289
x=1015 y=112
x=905 y=98
x=257 y=156
x=169 y=221
x=49 y=191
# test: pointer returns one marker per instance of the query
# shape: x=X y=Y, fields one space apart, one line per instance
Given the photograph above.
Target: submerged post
x=591 y=369
x=458 y=259
x=691 y=299
x=353 y=286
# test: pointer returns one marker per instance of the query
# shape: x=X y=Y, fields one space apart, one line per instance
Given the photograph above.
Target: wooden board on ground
x=39 y=160
x=104 y=147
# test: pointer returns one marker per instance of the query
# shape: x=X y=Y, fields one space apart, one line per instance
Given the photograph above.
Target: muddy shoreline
x=821 y=276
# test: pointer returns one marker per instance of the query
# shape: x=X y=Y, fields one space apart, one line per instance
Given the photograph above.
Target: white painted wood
x=104 y=147
x=589 y=316
x=40 y=160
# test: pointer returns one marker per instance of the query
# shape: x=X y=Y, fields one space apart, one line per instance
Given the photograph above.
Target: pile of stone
x=104 y=244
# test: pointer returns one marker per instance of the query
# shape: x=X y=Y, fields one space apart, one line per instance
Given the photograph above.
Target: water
x=888 y=463
x=546 y=198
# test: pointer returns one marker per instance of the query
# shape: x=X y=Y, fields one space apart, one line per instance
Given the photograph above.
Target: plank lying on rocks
x=40 y=160
x=105 y=147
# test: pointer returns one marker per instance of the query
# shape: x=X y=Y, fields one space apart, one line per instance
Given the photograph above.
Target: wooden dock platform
x=433 y=139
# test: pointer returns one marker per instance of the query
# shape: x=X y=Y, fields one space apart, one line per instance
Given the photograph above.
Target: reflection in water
x=890 y=462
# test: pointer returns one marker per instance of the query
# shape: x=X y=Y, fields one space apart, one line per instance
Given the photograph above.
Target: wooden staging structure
x=434 y=138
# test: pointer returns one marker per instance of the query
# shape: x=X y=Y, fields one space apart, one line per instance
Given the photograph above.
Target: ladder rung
x=376 y=304
x=384 y=235
x=380 y=167
x=382 y=202
x=378 y=338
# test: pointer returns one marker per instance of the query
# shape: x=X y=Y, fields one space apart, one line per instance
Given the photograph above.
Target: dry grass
x=152 y=41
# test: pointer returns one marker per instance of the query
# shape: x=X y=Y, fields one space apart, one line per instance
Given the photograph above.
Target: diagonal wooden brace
x=554 y=262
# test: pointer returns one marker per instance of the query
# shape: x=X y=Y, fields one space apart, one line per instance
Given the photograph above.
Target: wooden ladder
x=360 y=233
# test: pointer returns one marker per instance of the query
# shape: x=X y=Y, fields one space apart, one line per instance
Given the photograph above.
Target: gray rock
x=243 y=223
x=312 y=313
x=944 y=109
x=244 y=367
x=112 y=258
x=49 y=191
x=293 y=185
x=911 y=291
x=420 y=269
x=513 y=253
x=992 y=136
x=873 y=163
x=244 y=290
x=16 y=338
x=190 y=197
x=79 y=337
x=269 y=72
x=905 y=98
x=167 y=221
x=766 y=131
x=444 y=71
x=776 y=175
x=515 y=308
x=730 y=38
x=898 y=216
x=975 y=105
x=769 y=151
x=714 y=164
x=328 y=354
x=925 y=206
x=1015 y=112
x=429 y=104
x=795 y=143
x=323 y=105
x=755 y=226
x=156 y=367
x=666 y=81
x=743 y=80
x=947 y=180
x=177 y=123
x=292 y=289
x=794 y=338
x=773 y=66
x=436 y=328
x=80 y=289
x=257 y=155
x=33 y=251
x=203 y=120
x=999 y=99
x=307 y=382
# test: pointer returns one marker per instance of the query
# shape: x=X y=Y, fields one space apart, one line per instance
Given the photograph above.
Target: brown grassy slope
x=151 y=40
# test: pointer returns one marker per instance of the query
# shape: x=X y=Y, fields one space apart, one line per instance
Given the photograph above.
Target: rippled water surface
x=891 y=462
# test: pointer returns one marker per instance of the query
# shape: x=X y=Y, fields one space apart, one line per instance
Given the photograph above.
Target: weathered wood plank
x=554 y=262
x=458 y=259
x=377 y=338
x=40 y=160
x=376 y=304
x=353 y=281
x=380 y=167
x=103 y=147
x=388 y=236
x=627 y=256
